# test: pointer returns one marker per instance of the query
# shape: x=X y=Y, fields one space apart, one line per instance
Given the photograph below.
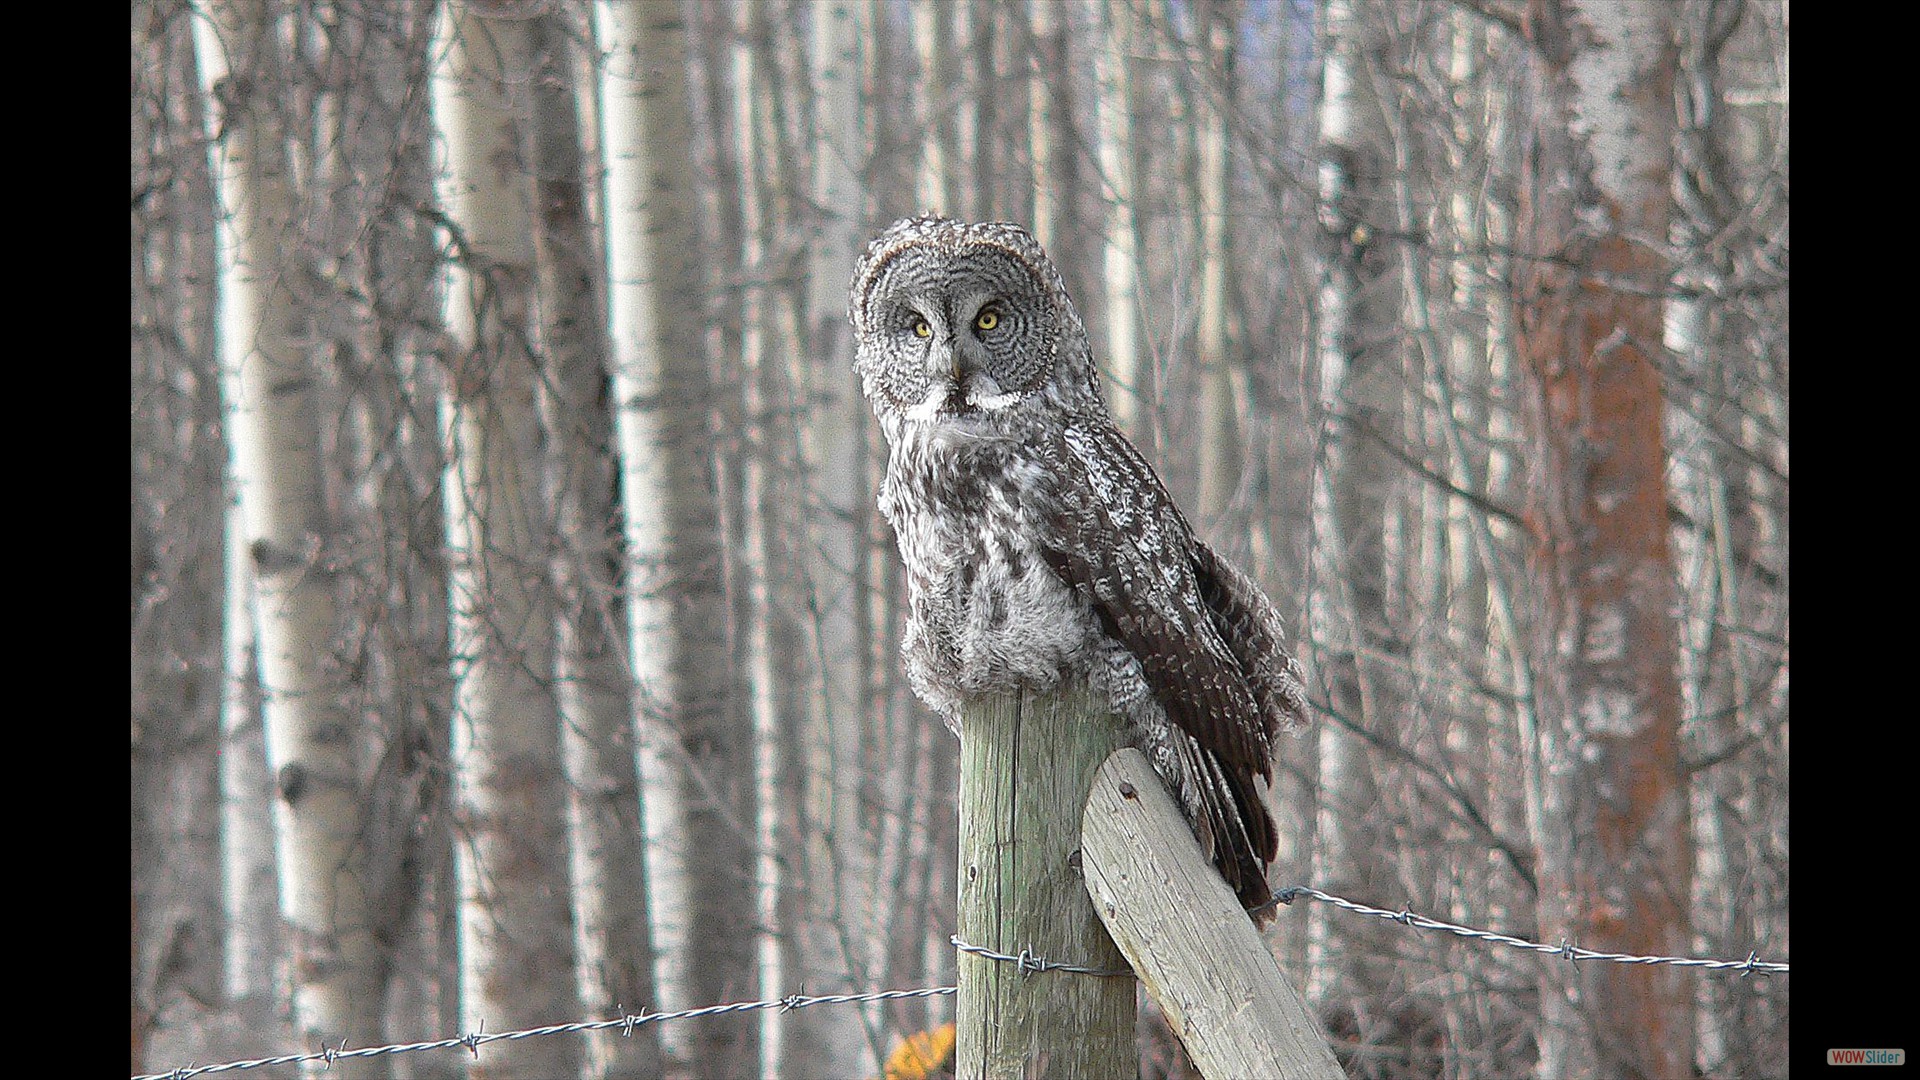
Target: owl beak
x=962 y=359
x=946 y=360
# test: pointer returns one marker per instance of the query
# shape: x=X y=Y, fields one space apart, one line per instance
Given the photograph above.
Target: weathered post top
x=1026 y=764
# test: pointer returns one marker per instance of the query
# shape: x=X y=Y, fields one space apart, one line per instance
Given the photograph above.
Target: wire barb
x=1029 y=963
x=1280 y=896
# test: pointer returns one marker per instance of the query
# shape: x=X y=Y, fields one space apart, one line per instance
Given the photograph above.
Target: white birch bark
x=842 y=566
x=248 y=877
x=1360 y=385
x=613 y=932
x=755 y=560
x=696 y=747
x=1120 y=260
x=636 y=225
x=516 y=930
x=1333 y=750
x=936 y=27
x=339 y=966
x=1050 y=128
x=1219 y=443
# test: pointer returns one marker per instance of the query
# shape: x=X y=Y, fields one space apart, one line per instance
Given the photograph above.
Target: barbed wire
x=1565 y=949
x=1030 y=963
x=1026 y=961
x=473 y=1042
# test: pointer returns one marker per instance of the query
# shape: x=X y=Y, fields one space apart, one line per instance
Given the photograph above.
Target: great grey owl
x=1040 y=545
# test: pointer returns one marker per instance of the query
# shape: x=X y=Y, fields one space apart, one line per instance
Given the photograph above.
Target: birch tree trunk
x=1219 y=442
x=614 y=934
x=696 y=743
x=937 y=26
x=1128 y=366
x=516 y=939
x=1612 y=839
x=1058 y=221
x=248 y=876
x=1003 y=188
x=755 y=551
x=844 y=760
x=1360 y=393
x=339 y=964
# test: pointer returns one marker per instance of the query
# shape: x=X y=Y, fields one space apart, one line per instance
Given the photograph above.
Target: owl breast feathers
x=1040 y=546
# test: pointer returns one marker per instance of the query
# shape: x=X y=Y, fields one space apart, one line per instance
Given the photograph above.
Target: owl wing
x=1204 y=634
x=1251 y=628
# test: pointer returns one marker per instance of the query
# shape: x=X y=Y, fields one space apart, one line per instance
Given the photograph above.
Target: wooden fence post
x=1026 y=765
x=1186 y=936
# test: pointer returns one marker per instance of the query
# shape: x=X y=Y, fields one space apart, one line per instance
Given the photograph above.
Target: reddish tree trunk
x=1611 y=820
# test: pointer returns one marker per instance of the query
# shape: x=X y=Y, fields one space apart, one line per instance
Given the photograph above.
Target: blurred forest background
x=515 y=638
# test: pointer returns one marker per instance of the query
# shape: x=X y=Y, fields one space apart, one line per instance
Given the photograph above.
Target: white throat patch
x=937 y=395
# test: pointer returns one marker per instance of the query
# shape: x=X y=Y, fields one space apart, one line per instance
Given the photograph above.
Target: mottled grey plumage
x=1039 y=545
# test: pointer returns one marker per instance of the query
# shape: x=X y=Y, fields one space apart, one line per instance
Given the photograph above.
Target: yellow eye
x=987 y=319
x=921 y=329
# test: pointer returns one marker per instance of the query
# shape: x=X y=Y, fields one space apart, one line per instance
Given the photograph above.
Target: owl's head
x=956 y=320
